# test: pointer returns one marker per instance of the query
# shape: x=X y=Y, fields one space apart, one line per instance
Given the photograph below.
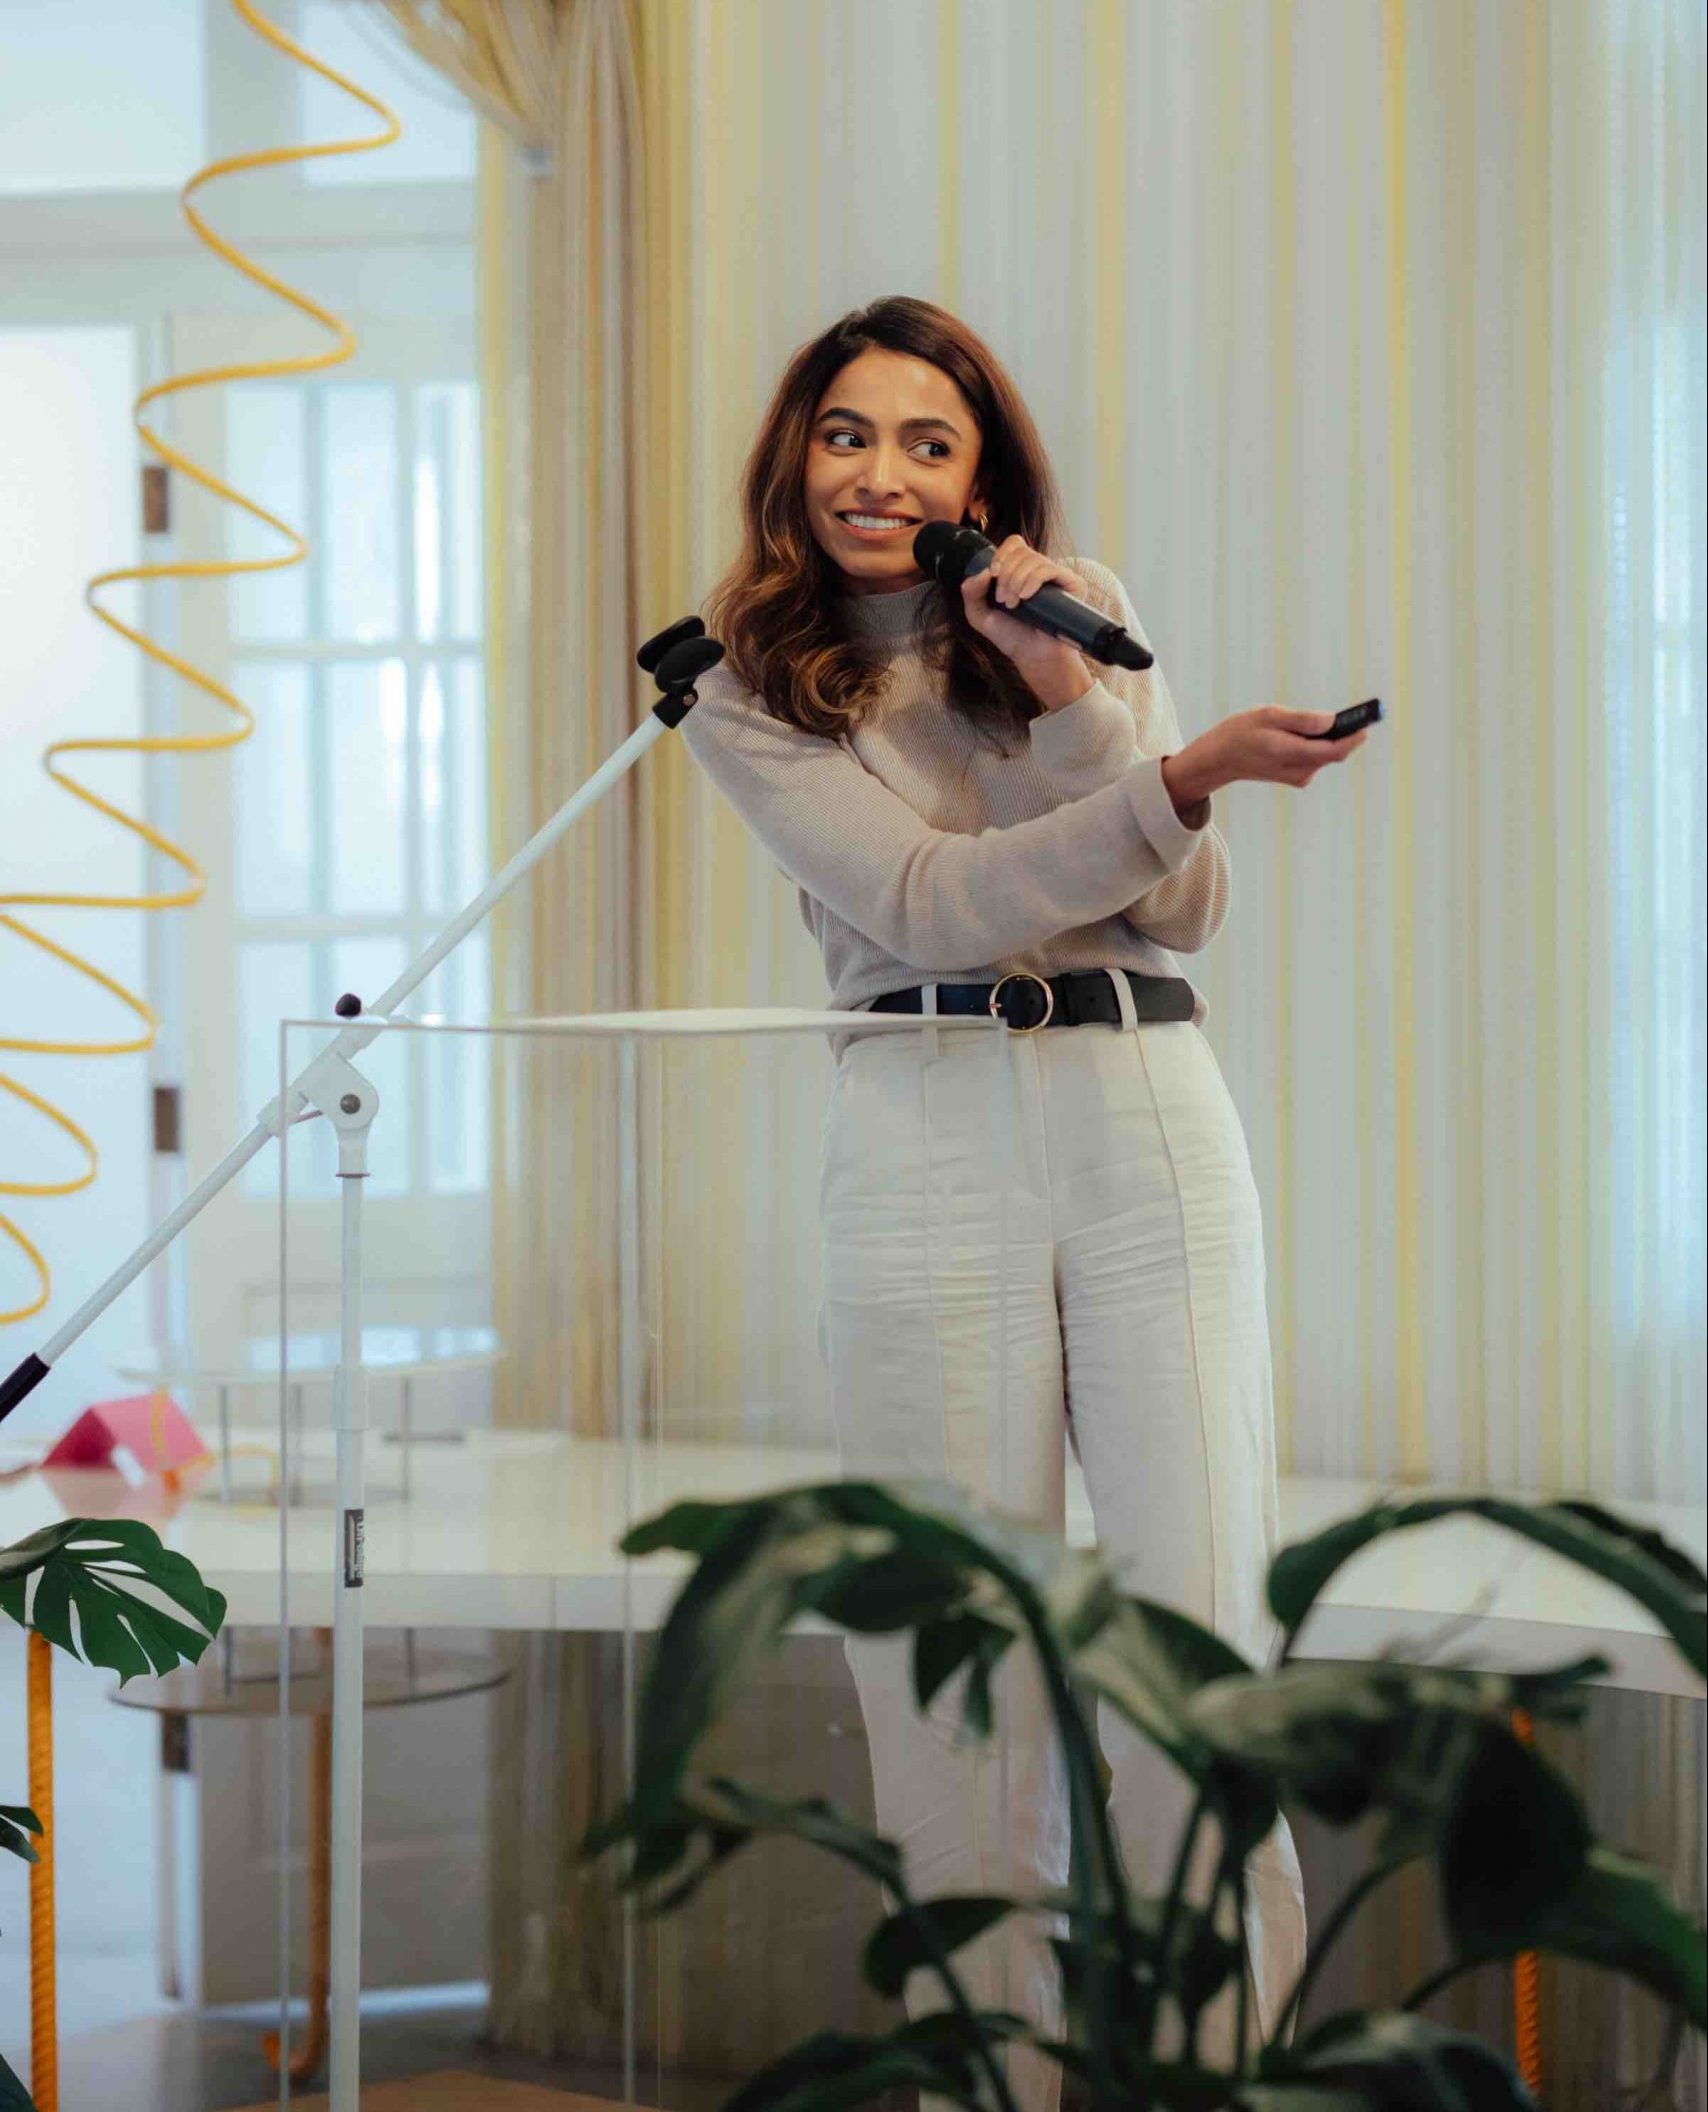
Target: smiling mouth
x=891 y=528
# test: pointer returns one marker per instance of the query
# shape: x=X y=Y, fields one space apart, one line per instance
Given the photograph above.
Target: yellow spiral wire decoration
x=44 y=2025
x=57 y=756
x=44 y=2036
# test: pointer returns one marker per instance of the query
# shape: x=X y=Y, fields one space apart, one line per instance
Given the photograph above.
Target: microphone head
x=1123 y=651
x=949 y=553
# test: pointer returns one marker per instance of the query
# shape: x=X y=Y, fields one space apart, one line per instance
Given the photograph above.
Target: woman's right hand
x=1267 y=746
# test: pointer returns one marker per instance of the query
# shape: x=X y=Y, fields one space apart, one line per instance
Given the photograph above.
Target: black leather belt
x=1085 y=998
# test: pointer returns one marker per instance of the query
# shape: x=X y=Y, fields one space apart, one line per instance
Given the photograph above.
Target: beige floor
x=453 y=2091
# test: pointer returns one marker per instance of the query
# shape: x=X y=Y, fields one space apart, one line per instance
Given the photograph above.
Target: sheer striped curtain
x=1367 y=339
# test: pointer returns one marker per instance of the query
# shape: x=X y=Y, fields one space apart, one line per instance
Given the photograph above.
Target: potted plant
x=1427 y=1749
x=92 y=1567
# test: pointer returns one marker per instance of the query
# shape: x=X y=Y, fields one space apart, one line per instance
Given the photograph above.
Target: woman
x=1053 y=1228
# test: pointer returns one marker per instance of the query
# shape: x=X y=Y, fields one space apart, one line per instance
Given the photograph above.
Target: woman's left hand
x=1050 y=665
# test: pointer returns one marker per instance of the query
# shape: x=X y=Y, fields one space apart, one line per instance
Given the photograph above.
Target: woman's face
x=891 y=435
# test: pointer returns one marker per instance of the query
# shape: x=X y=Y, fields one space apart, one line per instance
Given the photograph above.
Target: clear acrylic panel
x=615 y=1305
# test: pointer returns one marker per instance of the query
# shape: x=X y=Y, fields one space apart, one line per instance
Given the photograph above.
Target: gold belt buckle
x=1016 y=975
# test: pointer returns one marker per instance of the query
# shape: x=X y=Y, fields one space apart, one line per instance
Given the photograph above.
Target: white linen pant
x=1082 y=1199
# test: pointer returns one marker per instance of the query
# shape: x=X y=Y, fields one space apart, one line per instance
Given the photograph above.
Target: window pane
x=468 y=749
x=275 y=791
x=266 y=451
x=359 y=544
x=453 y=786
x=466 y=520
x=430 y=503
x=459 y=1071
x=367 y=966
x=103 y=96
x=275 y=980
x=436 y=802
x=437 y=142
x=367 y=729
x=447 y=509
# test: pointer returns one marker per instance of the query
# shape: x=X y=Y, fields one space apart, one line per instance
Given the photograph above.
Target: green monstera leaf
x=90 y=1569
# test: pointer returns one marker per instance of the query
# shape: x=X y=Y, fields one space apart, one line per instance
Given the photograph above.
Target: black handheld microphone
x=953 y=554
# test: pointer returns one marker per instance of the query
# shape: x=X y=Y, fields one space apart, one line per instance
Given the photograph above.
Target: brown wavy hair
x=777 y=610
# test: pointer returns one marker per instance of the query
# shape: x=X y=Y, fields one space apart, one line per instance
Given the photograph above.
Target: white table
x=404 y=1353
x=518 y=1529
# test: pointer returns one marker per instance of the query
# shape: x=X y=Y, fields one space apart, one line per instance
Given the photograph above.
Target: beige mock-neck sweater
x=922 y=855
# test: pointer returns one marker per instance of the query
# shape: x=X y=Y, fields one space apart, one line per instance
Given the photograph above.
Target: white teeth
x=871 y=520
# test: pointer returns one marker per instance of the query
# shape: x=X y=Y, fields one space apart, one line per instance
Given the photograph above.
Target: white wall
x=68 y=509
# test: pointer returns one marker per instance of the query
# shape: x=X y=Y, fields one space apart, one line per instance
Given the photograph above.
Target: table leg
x=294 y=1493
x=174 y=1765
x=309 y=2053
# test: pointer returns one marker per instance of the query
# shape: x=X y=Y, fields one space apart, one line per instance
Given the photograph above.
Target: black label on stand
x=354 y=1550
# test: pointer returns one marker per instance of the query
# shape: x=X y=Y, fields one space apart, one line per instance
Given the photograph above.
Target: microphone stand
x=330 y=1085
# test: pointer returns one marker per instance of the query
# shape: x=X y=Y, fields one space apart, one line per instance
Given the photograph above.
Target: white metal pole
x=349 y=1420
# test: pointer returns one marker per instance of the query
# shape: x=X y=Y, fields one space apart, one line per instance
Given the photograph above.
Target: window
x=437 y=144
x=103 y=96
x=361 y=796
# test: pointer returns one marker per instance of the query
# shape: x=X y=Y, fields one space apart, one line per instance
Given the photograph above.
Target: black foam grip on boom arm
x=20 y=1384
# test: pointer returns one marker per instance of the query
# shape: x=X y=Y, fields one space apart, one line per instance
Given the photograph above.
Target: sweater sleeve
x=1125 y=716
x=934 y=898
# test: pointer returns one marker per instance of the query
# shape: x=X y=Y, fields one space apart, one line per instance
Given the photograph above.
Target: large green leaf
x=812 y=1819
x=942 y=1647
x=1379 y=2062
x=1202 y=1959
x=835 y=2069
x=1338 y=1738
x=766 y=1560
x=755 y=1563
x=93 y=1566
x=1148 y=1662
x=1615 y=1914
x=1661 y=1577
x=1158 y=2086
x=1347 y=1739
x=891 y=1591
x=13 y=2096
x=904 y=1943
x=1514 y=1841
x=713 y=1820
